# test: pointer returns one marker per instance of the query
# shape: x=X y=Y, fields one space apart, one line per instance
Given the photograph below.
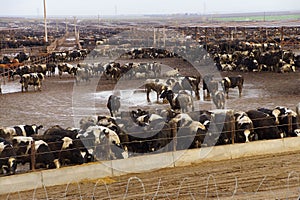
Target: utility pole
x=45 y=22
x=66 y=25
x=75 y=26
x=98 y=23
x=154 y=38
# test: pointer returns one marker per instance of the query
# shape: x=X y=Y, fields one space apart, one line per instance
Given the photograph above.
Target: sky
x=140 y=7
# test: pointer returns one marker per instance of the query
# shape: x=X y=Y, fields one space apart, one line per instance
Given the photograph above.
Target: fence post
x=32 y=156
x=290 y=124
x=174 y=134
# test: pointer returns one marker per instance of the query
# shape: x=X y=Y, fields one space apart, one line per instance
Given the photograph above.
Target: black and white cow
x=103 y=142
x=288 y=123
x=285 y=119
x=19 y=130
x=66 y=67
x=190 y=83
x=8 y=161
x=83 y=74
x=264 y=125
x=44 y=157
x=146 y=119
x=7 y=133
x=188 y=132
x=244 y=128
x=113 y=71
x=232 y=82
x=274 y=113
x=182 y=101
x=34 y=79
x=218 y=98
x=67 y=145
x=156 y=85
x=221 y=128
x=209 y=85
x=113 y=104
x=51 y=69
x=27 y=130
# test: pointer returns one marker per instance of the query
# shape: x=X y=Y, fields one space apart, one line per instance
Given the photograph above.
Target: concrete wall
x=90 y=171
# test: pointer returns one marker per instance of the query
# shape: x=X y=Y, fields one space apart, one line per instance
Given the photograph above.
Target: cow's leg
x=148 y=99
x=227 y=91
x=208 y=94
x=111 y=112
x=240 y=91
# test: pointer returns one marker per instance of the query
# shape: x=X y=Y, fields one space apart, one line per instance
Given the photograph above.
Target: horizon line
x=154 y=15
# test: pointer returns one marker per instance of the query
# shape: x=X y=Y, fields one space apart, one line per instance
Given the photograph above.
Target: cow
x=244 y=128
x=274 y=113
x=19 y=130
x=42 y=68
x=221 y=126
x=8 y=161
x=156 y=86
x=181 y=102
x=104 y=142
x=171 y=73
x=218 y=98
x=22 y=70
x=75 y=55
x=209 y=85
x=83 y=74
x=67 y=144
x=287 y=68
x=288 y=123
x=44 y=157
x=113 y=104
x=66 y=67
x=232 y=82
x=160 y=133
x=27 y=130
x=134 y=114
x=264 y=125
x=113 y=70
x=190 y=83
x=7 y=133
x=51 y=69
x=187 y=132
x=34 y=79
x=146 y=119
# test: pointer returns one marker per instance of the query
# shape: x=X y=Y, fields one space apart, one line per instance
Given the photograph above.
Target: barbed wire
x=188 y=184
x=145 y=140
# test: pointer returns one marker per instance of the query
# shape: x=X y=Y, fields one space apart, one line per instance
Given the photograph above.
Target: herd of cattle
x=139 y=132
x=256 y=57
x=176 y=127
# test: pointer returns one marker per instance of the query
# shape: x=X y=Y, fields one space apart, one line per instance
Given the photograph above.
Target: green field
x=259 y=18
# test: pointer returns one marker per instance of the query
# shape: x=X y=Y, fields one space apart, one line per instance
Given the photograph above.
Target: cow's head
x=168 y=94
x=11 y=166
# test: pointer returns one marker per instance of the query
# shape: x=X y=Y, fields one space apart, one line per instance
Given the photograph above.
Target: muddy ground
x=62 y=102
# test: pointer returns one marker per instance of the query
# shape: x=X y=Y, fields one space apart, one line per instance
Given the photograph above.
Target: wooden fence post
x=290 y=124
x=174 y=134
x=32 y=156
